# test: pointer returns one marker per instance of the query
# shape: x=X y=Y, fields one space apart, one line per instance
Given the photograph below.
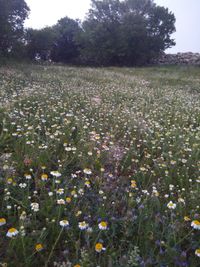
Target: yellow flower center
x=38 y=247
x=186 y=218
x=2 y=220
x=44 y=176
x=103 y=224
x=196 y=222
x=133 y=183
x=73 y=192
x=68 y=199
x=9 y=180
x=12 y=230
x=98 y=247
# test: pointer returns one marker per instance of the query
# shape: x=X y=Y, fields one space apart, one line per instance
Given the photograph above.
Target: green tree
x=100 y=37
x=12 y=16
x=160 y=27
x=129 y=32
x=40 y=42
x=65 y=48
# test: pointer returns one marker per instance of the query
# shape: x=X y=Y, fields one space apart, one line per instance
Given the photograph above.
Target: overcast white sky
x=187 y=13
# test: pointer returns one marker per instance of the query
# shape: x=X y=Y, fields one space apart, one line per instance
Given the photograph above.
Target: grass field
x=99 y=167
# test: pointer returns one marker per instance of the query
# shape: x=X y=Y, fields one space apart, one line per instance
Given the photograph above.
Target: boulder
x=187 y=58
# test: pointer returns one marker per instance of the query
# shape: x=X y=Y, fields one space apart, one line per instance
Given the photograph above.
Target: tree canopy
x=126 y=32
x=65 y=48
x=12 y=16
x=39 y=43
x=115 y=32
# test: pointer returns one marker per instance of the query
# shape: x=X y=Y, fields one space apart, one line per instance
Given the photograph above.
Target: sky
x=187 y=12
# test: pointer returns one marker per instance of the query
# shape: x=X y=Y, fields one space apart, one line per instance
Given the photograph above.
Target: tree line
x=114 y=32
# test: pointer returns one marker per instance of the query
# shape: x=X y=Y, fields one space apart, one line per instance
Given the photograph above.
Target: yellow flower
x=64 y=223
x=2 y=221
x=12 y=232
x=171 y=205
x=186 y=219
x=79 y=212
x=83 y=225
x=156 y=193
x=97 y=137
x=87 y=183
x=99 y=247
x=103 y=225
x=39 y=247
x=77 y=265
x=73 y=192
x=9 y=180
x=133 y=184
x=68 y=199
x=60 y=191
x=55 y=173
x=27 y=176
x=195 y=224
x=87 y=171
x=61 y=201
x=44 y=177
x=197 y=252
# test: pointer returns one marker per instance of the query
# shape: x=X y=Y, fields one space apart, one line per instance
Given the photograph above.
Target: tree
x=100 y=36
x=40 y=43
x=65 y=48
x=129 y=32
x=160 y=27
x=134 y=49
x=12 y=16
x=57 y=43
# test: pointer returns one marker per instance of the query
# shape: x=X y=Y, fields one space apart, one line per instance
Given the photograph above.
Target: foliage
x=130 y=32
x=40 y=43
x=57 y=43
x=12 y=15
x=65 y=48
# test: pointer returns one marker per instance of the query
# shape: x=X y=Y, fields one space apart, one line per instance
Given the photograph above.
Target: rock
x=187 y=58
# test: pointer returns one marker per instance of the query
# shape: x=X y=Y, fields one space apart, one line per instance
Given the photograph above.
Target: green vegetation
x=114 y=33
x=12 y=16
x=99 y=167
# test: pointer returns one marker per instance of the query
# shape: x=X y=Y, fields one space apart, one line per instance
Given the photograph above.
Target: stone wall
x=188 y=58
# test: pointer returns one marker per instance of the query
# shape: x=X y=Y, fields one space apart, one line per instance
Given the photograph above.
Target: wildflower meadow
x=99 y=167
